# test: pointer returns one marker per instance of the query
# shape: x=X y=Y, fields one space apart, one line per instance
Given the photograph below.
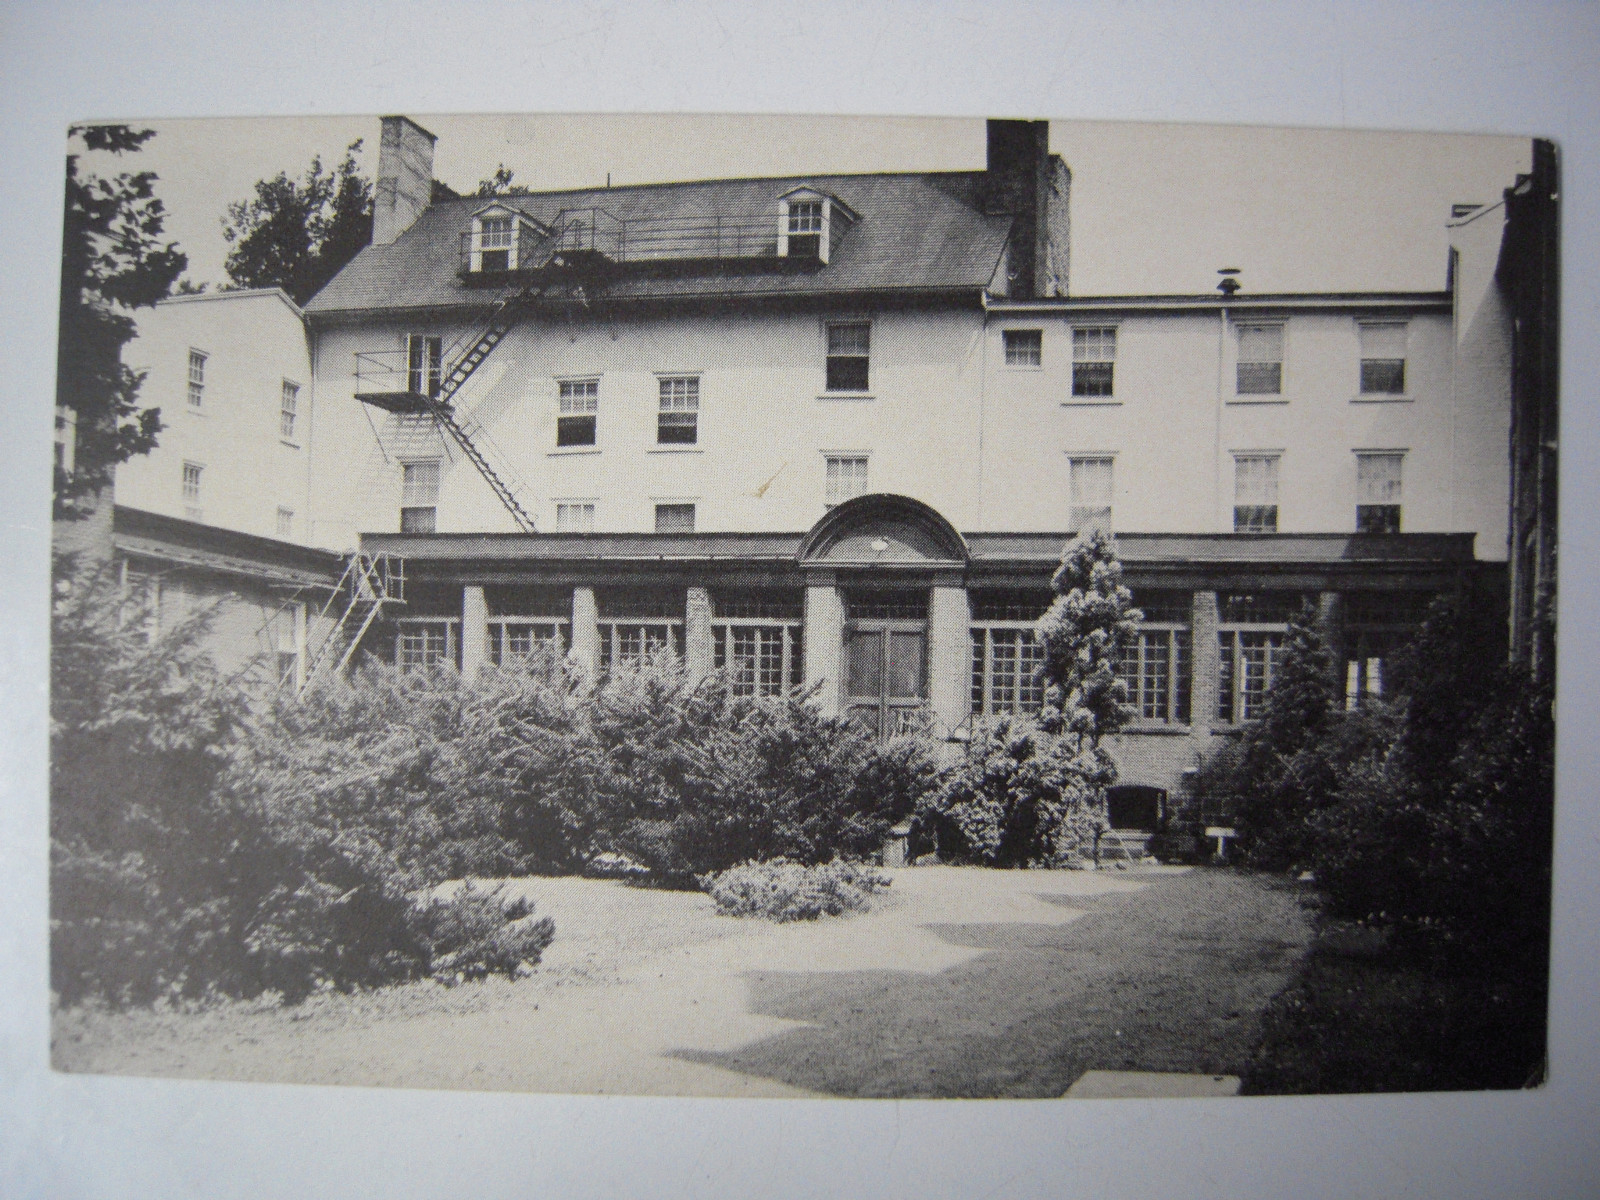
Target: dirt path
x=966 y=983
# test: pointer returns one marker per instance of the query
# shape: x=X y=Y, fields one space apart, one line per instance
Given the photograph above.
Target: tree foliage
x=298 y=234
x=1083 y=632
x=500 y=184
x=113 y=260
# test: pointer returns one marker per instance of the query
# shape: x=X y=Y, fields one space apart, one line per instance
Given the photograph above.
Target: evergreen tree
x=1083 y=632
x=113 y=260
x=298 y=234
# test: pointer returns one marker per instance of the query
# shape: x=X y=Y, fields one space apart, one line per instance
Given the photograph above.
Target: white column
x=949 y=656
x=698 y=652
x=824 y=644
x=585 y=631
x=300 y=663
x=474 y=631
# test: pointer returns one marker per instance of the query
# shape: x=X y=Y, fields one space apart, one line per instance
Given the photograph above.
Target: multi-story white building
x=835 y=431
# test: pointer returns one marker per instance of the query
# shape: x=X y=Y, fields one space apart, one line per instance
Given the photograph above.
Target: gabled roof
x=920 y=232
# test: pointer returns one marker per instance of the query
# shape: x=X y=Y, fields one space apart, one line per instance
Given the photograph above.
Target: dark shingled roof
x=916 y=233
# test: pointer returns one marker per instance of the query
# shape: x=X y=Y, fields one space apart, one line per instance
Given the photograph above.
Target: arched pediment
x=883 y=529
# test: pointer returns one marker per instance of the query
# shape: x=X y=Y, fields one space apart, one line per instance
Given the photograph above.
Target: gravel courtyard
x=963 y=982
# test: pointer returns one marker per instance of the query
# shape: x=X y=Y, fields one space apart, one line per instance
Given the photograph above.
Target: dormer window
x=809 y=224
x=492 y=246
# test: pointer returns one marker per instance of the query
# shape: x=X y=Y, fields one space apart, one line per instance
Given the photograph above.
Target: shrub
x=1018 y=797
x=782 y=890
x=474 y=933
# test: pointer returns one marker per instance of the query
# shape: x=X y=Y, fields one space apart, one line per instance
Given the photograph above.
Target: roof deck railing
x=579 y=234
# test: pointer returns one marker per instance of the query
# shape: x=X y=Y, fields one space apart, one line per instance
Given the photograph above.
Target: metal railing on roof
x=594 y=232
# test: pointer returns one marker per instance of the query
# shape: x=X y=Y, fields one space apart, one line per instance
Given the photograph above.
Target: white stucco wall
x=943 y=407
x=253 y=341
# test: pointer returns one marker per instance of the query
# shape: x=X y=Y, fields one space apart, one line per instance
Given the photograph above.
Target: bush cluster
x=1021 y=796
x=782 y=890
x=1430 y=814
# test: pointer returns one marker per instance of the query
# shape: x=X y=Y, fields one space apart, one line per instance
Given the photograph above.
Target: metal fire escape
x=369 y=582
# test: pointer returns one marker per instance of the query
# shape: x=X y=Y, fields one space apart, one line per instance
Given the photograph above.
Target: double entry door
x=886 y=674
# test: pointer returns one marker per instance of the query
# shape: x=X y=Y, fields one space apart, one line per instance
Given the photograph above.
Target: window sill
x=1092 y=402
x=1025 y=368
x=1245 y=400
x=1156 y=729
x=196 y=412
x=675 y=450
x=1382 y=399
x=286 y=442
x=572 y=452
x=846 y=396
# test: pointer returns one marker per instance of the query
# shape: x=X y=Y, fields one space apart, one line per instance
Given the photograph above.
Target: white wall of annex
x=253 y=343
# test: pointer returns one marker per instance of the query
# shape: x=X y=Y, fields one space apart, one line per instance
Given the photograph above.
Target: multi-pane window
x=1376 y=626
x=805 y=228
x=1383 y=358
x=419 y=496
x=1155 y=665
x=757 y=639
x=423 y=642
x=191 y=490
x=424 y=364
x=197 y=378
x=1005 y=655
x=580 y=403
x=1094 y=358
x=513 y=640
x=1250 y=638
x=1260 y=367
x=1090 y=489
x=495 y=236
x=575 y=516
x=678 y=422
x=675 y=518
x=849 y=353
x=285 y=522
x=288 y=410
x=1024 y=347
x=1378 y=491
x=1255 y=493
x=846 y=477
x=634 y=626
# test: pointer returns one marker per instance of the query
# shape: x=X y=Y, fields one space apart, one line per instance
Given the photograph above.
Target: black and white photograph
x=818 y=600
x=796 y=607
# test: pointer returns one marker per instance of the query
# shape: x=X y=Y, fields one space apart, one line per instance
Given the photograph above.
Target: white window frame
x=412 y=493
x=823 y=230
x=1396 y=500
x=578 y=398
x=671 y=404
x=832 y=493
x=1078 y=505
x=197 y=379
x=1241 y=362
x=193 y=475
x=576 y=507
x=288 y=410
x=1276 y=481
x=689 y=502
x=1088 y=350
x=1019 y=355
x=828 y=354
x=507 y=239
x=1362 y=328
x=431 y=371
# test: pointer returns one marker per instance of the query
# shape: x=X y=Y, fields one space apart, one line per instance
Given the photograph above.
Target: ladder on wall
x=369 y=582
x=467 y=432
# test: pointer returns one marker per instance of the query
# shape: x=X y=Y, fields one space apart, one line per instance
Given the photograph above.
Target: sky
x=1154 y=208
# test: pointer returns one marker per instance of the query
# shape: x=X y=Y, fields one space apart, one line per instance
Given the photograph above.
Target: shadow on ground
x=1172 y=977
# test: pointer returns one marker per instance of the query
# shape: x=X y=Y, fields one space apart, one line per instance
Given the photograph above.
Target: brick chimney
x=1023 y=178
x=405 y=178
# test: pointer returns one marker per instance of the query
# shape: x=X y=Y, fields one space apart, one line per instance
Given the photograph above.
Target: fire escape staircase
x=369 y=582
x=464 y=430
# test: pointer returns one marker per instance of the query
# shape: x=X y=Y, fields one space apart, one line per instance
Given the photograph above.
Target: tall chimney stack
x=1027 y=181
x=405 y=178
